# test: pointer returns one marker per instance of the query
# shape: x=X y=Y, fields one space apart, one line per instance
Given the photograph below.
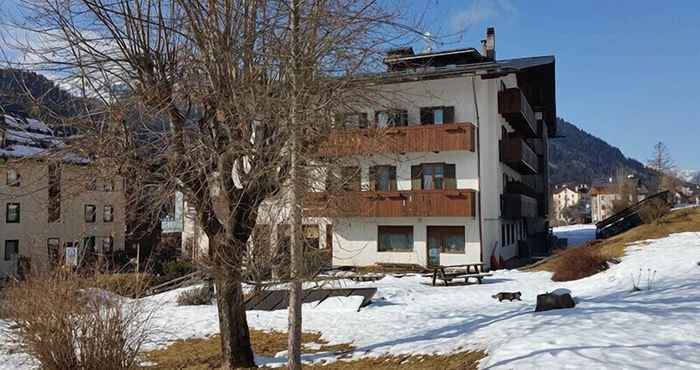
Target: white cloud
x=479 y=12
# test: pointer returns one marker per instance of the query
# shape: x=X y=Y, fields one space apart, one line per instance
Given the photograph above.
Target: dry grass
x=63 y=324
x=200 y=354
x=687 y=220
x=578 y=263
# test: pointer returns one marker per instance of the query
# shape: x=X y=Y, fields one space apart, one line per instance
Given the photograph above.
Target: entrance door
x=434 y=245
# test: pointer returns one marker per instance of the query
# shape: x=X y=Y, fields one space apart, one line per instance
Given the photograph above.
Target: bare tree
x=226 y=101
x=661 y=160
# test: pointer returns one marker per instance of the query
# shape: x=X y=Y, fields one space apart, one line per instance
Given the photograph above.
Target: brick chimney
x=490 y=45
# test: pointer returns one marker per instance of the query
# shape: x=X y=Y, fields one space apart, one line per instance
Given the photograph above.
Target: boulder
x=560 y=298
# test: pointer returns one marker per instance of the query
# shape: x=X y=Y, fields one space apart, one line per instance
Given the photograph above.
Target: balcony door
x=444 y=240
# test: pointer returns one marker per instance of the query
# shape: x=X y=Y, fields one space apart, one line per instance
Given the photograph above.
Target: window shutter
x=415 y=177
x=372 y=179
x=450 y=176
x=448 y=114
x=403 y=118
x=426 y=116
x=392 y=178
x=339 y=120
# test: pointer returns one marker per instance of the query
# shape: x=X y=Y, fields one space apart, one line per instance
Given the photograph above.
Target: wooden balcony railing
x=514 y=107
x=426 y=203
x=425 y=138
x=515 y=206
x=518 y=155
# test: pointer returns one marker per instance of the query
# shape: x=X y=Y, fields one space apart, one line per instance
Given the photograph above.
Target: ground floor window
x=53 y=245
x=395 y=238
x=11 y=249
x=450 y=239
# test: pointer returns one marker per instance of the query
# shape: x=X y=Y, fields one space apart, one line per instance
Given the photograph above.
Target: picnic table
x=447 y=273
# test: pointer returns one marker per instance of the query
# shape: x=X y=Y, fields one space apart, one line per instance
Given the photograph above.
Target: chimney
x=491 y=43
x=483 y=47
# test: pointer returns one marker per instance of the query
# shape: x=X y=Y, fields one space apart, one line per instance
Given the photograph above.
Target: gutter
x=478 y=169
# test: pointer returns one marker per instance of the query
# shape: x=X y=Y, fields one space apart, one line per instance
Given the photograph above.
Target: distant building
x=51 y=202
x=604 y=196
x=572 y=196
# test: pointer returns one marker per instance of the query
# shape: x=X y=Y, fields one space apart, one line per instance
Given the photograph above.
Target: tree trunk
x=296 y=178
x=236 y=349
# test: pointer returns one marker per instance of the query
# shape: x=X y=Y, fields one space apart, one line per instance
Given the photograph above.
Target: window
x=352 y=120
x=437 y=115
x=312 y=236
x=107 y=244
x=391 y=118
x=107 y=213
x=433 y=176
x=52 y=246
x=12 y=213
x=382 y=178
x=504 y=242
x=11 y=250
x=54 y=204
x=395 y=239
x=347 y=179
x=12 y=177
x=92 y=184
x=108 y=185
x=90 y=213
x=450 y=238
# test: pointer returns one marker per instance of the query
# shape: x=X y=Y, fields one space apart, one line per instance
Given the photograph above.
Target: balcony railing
x=514 y=107
x=518 y=155
x=425 y=203
x=424 y=138
x=515 y=206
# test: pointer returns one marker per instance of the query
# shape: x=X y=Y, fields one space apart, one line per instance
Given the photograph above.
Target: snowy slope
x=611 y=327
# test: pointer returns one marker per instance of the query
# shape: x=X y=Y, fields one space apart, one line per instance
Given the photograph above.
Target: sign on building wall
x=71 y=256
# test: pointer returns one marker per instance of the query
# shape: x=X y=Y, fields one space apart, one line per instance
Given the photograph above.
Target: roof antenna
x=428 y=38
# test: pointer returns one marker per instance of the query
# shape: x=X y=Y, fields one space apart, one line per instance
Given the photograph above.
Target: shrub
x=176 y=269
x=195 y=296
x=125 y=285
x=577 y=263
x=63 y=324
x=654 y=211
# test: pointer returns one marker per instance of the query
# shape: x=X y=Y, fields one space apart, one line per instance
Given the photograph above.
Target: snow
x=576 y=234
x=611 y=327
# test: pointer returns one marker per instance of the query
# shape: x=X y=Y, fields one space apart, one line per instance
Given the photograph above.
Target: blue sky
x=627 y=71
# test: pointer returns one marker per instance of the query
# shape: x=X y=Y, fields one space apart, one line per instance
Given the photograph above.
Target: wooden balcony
x=516 y=206
x=514 y=107
x=518 y=155
x=425 y=138
x=427 y=203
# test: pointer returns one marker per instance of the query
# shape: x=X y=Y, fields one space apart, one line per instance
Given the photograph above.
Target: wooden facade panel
x=425 y=138
x=517 y=154
x=437 y=203
x=516 y=206
x=514 y=107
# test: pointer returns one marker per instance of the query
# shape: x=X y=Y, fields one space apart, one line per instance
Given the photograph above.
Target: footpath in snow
x=611 y=327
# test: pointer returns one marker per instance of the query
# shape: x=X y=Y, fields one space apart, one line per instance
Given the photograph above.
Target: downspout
x=478 y=168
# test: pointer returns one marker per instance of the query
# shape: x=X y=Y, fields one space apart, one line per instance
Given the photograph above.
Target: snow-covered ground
x=576 y=234
x=610 y=328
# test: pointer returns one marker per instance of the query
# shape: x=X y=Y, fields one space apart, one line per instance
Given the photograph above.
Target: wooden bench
x=451 y=272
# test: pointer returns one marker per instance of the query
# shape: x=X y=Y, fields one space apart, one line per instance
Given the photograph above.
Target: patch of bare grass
x=205 y=353
x=196 y=354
